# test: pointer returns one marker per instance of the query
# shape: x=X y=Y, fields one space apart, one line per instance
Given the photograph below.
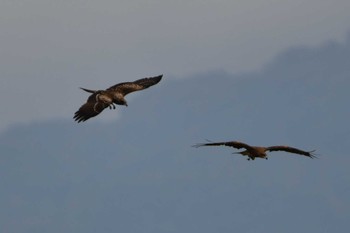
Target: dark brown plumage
x=257 y=151
x=101 y=99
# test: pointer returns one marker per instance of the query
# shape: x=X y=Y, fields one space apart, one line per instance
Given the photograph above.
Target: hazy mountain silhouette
x=140 y=174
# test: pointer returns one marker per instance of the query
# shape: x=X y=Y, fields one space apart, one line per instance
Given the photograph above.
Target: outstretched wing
x=291 y=150
x=128 y=87
x=90 y=109
x=235 y=144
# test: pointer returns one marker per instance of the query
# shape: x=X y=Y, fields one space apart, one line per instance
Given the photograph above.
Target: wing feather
x=140 y=84
x=291 y=150
x=234 y=144
x=90 y=109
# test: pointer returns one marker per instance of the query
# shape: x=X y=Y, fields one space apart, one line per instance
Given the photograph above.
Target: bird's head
x=121 y=101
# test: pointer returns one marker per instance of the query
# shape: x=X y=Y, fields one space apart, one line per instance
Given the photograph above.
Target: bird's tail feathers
x=88 y=90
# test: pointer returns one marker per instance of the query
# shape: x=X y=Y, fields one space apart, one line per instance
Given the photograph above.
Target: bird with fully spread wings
x=101 y=99
x=258 y=151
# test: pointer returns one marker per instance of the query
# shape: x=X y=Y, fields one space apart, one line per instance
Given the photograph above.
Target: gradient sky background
x=264 y=72
x=48 y=49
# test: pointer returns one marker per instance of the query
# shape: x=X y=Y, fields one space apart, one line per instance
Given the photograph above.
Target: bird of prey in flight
x=257 y=151
x=101 y=99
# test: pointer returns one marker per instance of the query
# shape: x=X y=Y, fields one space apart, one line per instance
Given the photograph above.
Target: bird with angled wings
x=102 y=99
x=257 y=151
